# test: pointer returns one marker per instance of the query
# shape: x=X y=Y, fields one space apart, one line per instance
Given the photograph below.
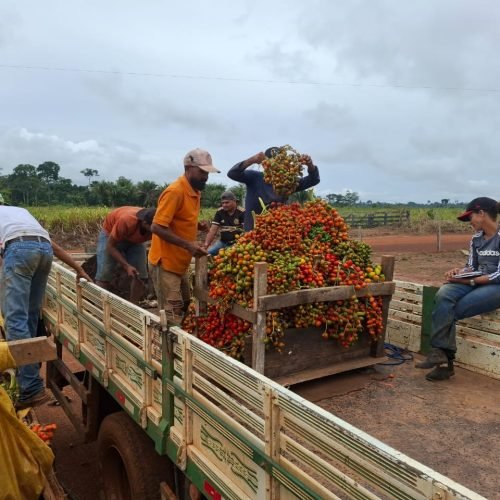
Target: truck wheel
x=129 y=465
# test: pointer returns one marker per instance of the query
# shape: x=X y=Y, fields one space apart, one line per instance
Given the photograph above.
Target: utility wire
x=247 y=80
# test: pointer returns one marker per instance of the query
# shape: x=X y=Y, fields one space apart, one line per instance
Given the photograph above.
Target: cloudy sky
x=398 y=101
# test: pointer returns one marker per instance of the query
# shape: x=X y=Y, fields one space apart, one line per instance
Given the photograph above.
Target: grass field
x=87 y=220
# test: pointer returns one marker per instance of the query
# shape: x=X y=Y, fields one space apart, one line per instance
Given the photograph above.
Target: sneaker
x=37 y=400
x=435 y=358
x=441 y=373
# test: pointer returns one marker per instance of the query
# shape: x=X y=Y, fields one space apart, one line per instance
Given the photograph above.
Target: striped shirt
x=484 y=255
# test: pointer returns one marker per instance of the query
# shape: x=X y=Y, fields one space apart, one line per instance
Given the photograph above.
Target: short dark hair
x=146 y=215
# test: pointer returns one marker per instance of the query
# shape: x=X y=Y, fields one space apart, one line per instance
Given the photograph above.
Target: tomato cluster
x=44 y=432
x=305 y=247
x=283 y=170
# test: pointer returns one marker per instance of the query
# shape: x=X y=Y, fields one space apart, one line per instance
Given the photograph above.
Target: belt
x=40 y=239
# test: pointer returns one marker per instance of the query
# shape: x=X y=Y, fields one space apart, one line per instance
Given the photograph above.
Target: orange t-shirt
x=123 y=225
x=178 y=209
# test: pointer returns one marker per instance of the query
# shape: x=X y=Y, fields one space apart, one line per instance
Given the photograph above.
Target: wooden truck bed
x=220 y=421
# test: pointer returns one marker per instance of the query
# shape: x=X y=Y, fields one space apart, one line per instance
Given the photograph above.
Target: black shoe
x=441 y=372
x=435 y=358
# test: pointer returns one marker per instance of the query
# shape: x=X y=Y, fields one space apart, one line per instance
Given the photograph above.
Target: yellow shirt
x=178 y=209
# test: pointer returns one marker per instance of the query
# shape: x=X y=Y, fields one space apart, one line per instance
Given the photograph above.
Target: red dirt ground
x=451 y=427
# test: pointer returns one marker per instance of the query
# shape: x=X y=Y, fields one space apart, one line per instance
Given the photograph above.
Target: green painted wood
x=428 y=294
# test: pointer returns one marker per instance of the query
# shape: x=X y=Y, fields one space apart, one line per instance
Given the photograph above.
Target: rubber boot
x=435 y=358
x=441 y=372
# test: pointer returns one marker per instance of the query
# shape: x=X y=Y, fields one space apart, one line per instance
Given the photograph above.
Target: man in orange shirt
x=175 y=229
x=121 y=241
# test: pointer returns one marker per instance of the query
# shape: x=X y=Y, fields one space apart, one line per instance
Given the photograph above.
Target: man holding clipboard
x=468 y=292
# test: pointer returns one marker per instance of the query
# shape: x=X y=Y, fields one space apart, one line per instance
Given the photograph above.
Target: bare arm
x=214 y=229
x=61 y=254
x=118 y=256
x=165 y=233
x=236 y=171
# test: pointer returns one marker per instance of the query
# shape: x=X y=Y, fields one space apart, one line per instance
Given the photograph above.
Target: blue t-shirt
x=257 y=188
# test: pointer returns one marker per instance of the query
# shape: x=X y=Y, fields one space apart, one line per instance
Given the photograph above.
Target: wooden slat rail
x=478 y=338
x=223 y=422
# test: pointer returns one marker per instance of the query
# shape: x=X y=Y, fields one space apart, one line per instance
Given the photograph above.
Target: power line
x=247 y=80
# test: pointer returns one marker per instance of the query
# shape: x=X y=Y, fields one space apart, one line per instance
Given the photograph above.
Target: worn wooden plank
x=28 y=351
x=325 y=294
x=408 y=285
x=405 y=316
x=402 y=334
x=404 y=295
x=377 y=289
x=340 y=367
x=377 y=348
x=397 y=305
x=201 y=282
x=259 y=327
x=237 y=310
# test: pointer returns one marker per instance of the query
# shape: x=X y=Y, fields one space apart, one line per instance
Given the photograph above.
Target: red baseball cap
x=477 y=204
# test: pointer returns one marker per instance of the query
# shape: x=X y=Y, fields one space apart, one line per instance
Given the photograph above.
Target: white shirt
x=15 y=221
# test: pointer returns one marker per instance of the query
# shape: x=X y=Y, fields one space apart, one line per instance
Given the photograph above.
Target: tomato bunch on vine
x=283 y=170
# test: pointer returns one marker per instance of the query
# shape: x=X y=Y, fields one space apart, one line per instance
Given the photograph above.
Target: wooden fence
x=378 y=219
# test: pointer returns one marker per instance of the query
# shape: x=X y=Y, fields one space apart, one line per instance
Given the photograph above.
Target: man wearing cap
x=121 y=241
x=229 y=220
x=27 y=253
x=470 y=291
x=175 y=229
x=258 y=188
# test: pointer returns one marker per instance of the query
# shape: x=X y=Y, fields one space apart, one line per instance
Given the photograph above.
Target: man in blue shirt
x=257 y=188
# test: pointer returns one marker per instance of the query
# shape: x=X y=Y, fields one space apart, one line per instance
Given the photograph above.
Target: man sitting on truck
x=175 y=229
x=121 y=241
x=27 y=251
x=229 y=220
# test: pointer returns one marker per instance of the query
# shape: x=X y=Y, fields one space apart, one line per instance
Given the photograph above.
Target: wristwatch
x=472 y=282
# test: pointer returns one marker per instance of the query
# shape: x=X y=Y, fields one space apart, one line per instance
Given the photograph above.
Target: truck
x=175 y=417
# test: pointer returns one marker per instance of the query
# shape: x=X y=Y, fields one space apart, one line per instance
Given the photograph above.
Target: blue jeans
x=214 y=249
x=134 y=253
x=453 y=302
x=26 y=267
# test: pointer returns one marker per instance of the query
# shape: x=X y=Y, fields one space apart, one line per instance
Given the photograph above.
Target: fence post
x=428 y=294
x=439 y=236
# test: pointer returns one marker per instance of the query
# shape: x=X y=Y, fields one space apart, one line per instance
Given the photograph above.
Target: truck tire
x=130 y=467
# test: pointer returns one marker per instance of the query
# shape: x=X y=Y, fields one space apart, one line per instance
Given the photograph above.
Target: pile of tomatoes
x=305 y=247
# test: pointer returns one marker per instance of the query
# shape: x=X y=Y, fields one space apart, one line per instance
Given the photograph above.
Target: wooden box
x=306 y=355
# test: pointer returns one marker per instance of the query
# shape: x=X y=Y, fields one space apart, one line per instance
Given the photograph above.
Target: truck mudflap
x=233 y=432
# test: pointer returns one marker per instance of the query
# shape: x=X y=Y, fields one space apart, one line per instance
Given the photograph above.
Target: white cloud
x=381 y=117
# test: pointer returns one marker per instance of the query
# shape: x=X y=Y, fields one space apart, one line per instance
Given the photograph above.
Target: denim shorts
x=134 y=253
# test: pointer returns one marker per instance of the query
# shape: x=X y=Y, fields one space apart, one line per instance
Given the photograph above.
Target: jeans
x=134 y=253
x=455 y=301
x=214 y=249
x=26 y=267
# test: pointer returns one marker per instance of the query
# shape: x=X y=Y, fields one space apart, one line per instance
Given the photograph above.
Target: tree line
x=28 y=185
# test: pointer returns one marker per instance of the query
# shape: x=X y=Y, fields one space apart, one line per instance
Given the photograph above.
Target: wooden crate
x=306 y=355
